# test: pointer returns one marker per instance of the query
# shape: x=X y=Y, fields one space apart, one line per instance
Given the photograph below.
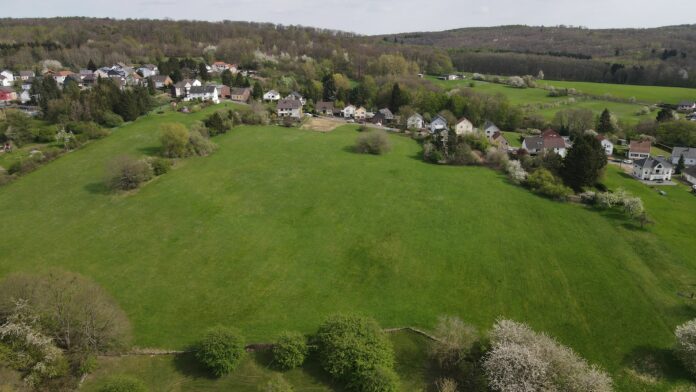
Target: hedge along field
x=647 y=94
x=281 y=227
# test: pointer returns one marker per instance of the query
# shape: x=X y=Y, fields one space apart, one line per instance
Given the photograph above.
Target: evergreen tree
x=227 y=78
x=665 y=114
x=584 y=164
x=203 y=72
x=151 y=87
x=257 y=92
x=681 y=165
x=605 y=125
x=239 y=80
x=398 y=98
x=91 y=66
x=246 y=83
x=176 y=76
x=329 y=84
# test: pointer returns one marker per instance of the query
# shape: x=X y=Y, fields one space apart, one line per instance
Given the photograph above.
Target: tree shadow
x=150 y=150
x=187 y=365
x=97 y=188
x=656 y=362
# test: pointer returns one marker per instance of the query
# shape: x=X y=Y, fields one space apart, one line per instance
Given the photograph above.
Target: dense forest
x=658 y=56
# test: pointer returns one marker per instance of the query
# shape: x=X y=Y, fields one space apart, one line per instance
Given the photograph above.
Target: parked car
x=627 y=161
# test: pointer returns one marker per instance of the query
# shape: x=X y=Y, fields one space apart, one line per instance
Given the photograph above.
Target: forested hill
x=664 y=55
x=658 y=56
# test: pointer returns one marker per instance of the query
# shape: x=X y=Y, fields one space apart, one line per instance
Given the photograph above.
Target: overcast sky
x=378 y=16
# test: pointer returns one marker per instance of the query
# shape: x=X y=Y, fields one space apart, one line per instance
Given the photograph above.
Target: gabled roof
x=295 y=95
x=271 y=92
x=640 y=147
x=388 y=115
x=160 y=78
x=690 y=171
x=26 y=73
x=652 y=162
x=324 y=105
x=416 y=115
x=239 y=90
x=498 y=136
x=289 y=104
x=688 y=152
x=461 y=120
x=439 y=117
x=202 y=89
x=489 y=124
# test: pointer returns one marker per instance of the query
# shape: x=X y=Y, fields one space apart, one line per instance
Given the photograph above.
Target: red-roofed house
x=639 y=150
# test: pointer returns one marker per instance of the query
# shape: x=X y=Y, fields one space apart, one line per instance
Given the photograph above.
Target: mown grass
x=647 y=94
x=281 y=227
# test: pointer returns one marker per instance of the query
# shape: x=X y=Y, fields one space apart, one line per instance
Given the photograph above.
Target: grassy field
x=538 y=96
x=281 y=227
x=647 y=94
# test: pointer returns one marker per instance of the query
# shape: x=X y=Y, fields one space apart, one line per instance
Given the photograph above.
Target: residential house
x=297 y=96
x=501 y=141
x=6 y=78
x=60 y=76
x=224 y=92
x=161 y=81
x=689 y=154
x=653 y=169
x=325 y=108
x=74 y=78
x=348 y=111
x=204 y=93
x=438 y=124
x=549 y=141
x=119 y=82
x=181 y=89
x=84 y=72
x=360 y=113
x=639 y=150
x=101 y=73
x=271 y=96
x=489 y=129
x=88 y=80
x=690 y=175
x=289 y=108
x=240 y=94
x=24 y=96
x=26 y=75
x=221 y=66
x=463 y=126
x=383 y=117
x=415 y=122
x=686 y=106
x=607 y=145
x=148 y=70
x=7 y=94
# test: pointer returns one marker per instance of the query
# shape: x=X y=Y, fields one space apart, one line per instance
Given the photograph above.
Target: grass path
x=281 y=227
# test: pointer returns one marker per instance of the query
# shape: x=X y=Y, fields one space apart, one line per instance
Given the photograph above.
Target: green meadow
x=281 y=227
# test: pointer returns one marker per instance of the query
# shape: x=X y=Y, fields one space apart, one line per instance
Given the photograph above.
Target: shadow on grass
x=150 y=150
x=311 y=368
x=187 y=365
x=98 y=188
x=656 y=362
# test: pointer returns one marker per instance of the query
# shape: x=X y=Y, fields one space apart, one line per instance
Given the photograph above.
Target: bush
x=431 y=153
x=446 y=385
x=110 y=120
x=126 y=173
x=175 y=140
x=290 y=350
x=123 y=384
x=686 y=345
x=278 y=384
x=544 y=183
x=373 y=142
x=348 y=345
x=515 y=172
x=522 y=360
x=456 y=340
x=496 y=158
x=220 y=350
x=517 y=82
x=199 y=145
x=160 y=165
x=462 y=155
x=378 y=379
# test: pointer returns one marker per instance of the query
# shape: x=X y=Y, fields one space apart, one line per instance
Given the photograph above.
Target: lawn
x=281 y=227
x=646 y=94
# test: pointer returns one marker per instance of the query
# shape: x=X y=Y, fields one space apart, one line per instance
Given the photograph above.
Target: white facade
x=348 y=111
x=8 y=79
x=209 y=93
x=608 y=146
x=271 y=96
x=438 y=124
x=652 y=169
x=415 y=122
x=689 y=155
x=465 y=126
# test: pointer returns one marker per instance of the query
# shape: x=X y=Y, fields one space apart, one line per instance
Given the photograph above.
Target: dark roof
x=652 y=162
x=202 y=89
x=388 y=115
x=688 y=152
x=26 y=73
x=159 y=78
x=239 y=90
x=324 y=105
x=294 y=95
x=489 y=124
x=289 y=104
x=690 y=171
x=7 y=89
x=686 y=103
x=643 y=147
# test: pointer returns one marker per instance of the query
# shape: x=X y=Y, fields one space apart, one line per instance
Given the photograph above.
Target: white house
x=652 y=169
x=438 y=124
x=639 y=150
x=289 y=108
x=271 y=96
x=686 y=106
x=690 y=175
x=360 y=113
x=549 y=141
x=489 y=129
x=689 y=154
x=148 y=70
x=348 y=111
x=607 y=145
x=26 y=75
x=221 y=66
x=6 y=78
x=24 y=96
x=204 y=93
x=463 y=126
x=415 y=122
x=297 y=96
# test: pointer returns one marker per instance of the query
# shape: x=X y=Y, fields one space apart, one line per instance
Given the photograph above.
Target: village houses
x=639 y=150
